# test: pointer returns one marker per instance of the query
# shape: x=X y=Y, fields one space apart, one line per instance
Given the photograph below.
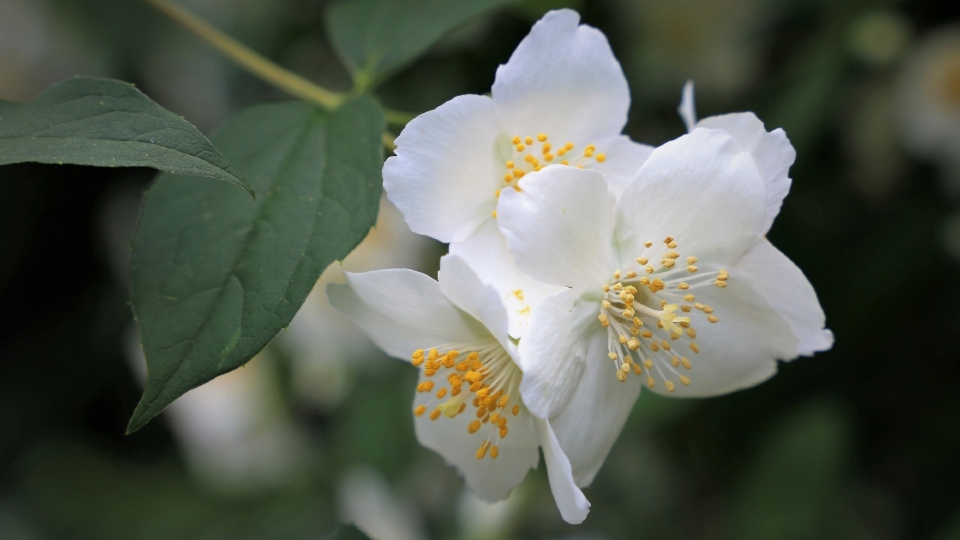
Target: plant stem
x=398 y=118
x=249 y=59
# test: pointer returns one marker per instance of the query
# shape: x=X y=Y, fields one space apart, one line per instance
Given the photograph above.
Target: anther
x=546 y=148
x=621 y=376
x=435 y=414
x=691 y=259
x=675 y=361
x=601 y=158
x=712 y=318
x=520 y=148
x=648 y=363
x=720 y=283
x=494 y=452
x=420 y=410
x=516 y=140
x=636 y=369
x=616 y=274
x=683 y=285
x=568 y=147
x=692 y=269
x=670 y=386
x=482 y=451
x=694 y=347
x=542 y=137
x=650 y=269
x=612 y=355
x=692 y=333
x=647 y=244
x=516 y=409
x=685 y=380
x=642 y=260
x=528 y=140
x=503 y=432
x=510 y=164
x=442 y=392
x=650 y=382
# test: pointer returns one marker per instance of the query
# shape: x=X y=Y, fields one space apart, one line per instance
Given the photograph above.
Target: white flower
x=561 y=98
x=928 y=102
x=468 y=406
x=673 y=286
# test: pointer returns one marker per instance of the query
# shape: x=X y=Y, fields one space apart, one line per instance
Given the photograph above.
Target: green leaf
x=377 y=37
x=106 y=123
x=215 y=276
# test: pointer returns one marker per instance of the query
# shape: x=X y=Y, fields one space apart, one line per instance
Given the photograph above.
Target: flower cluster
x=582 y=266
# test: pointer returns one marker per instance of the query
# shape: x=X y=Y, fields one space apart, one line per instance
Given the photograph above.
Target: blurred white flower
x=367 y=500
x=234 y=431
x=324 y=345
x=481 y=520
x=929 y=102
x=561 y=98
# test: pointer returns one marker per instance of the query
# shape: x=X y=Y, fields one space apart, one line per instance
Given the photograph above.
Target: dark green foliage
x=107 y=123
x=214 y=275
x=377 y=37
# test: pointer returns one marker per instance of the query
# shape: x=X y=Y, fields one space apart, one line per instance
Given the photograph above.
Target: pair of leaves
x=375 y=38
x=215 y=276
x=91 y=121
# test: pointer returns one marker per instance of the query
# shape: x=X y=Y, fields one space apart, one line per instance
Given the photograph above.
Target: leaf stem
x=398 y=118
x=249 y=59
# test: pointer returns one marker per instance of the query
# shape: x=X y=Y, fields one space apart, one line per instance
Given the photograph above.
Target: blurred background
x=861 y=442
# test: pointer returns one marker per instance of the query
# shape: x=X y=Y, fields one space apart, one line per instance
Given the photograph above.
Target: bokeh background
x=861 y=442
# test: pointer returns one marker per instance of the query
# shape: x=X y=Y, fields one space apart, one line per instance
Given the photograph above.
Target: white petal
x=703 y=190
x=741 y=349
x=444 y=176
x=573 y=506
x=771 y=151
x=787 y=291
x=688 y=107
x=490 y=479
x=553 y=352
x=623 y=159
x=464 y=289
x=563 y=80
x=402 y=311
x=593 y=418
x=559 y=228
x=487 y=255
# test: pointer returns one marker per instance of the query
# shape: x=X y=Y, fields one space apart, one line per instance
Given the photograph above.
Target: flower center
x=487 y=373
x=643 y=338
x=530 y=154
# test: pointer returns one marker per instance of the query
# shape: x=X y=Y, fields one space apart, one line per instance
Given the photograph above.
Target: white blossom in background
x=323 y=344
x=561 y=98
x=673 y=286
x=928 y=102
x=234 y=431
x=365 y=499
x=467 y=406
